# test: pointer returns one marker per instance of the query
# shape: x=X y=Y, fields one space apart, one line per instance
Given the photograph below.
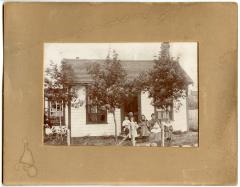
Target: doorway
x=131 y=105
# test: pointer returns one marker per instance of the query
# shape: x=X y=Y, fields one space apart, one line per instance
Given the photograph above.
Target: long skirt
x=144 y=131
x=155 y=137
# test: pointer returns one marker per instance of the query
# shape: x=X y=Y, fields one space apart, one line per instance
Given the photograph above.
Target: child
x=126 y=125
x=168 y=129
x=133 y=130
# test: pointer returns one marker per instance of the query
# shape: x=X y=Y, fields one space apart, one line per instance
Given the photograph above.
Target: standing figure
x=133 y=130
x=155 y=129
x=144 y=131
x=168 y=131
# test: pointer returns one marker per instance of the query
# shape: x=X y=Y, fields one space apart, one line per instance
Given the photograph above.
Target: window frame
x=88 y=122
x=170 y=113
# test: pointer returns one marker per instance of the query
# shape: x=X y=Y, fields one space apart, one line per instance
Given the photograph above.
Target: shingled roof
x=133 y=68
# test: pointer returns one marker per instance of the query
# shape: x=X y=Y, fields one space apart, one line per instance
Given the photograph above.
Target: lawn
x=180 y=139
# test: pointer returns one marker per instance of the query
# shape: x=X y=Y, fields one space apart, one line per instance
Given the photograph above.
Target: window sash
x=165 y=114
x=95 y=114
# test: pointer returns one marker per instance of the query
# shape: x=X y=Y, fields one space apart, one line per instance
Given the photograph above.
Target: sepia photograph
x=121 y=94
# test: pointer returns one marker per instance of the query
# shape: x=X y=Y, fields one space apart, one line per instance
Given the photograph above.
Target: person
x=155 y=129
x=133 y=130
x=144 y=131
x=168 y=130
x=126 y=125
x=152 y=121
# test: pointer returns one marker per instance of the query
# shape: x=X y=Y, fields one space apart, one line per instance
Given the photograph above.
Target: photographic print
x=121 y=94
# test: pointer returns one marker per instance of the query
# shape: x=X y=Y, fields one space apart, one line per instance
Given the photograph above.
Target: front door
x=131 y=105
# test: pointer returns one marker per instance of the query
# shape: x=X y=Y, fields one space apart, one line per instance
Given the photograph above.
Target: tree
x=165 y=81
x=57 y=82
x=57 y=85
x=109 y=83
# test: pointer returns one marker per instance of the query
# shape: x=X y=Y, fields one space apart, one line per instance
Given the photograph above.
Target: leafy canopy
x=165 y=81
x=57 y=81
x=109 y=83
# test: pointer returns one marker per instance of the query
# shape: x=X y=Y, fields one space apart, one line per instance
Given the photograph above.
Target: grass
x=180 y=139
x=55 y=140
x=186 y=138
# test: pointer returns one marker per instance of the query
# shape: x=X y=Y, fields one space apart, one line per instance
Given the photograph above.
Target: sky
x=186 y=51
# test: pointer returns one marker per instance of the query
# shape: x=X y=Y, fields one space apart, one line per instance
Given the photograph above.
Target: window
x=165 y=114
x=95 y=114
x=56 y=109
x=54 y=113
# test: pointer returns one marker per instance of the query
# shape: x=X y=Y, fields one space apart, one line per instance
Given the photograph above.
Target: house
x=85 y=119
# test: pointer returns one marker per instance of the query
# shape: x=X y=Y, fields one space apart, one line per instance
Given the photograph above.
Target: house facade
x=85 y=119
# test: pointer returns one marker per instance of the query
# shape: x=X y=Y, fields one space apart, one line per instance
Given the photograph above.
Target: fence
x=193 y=119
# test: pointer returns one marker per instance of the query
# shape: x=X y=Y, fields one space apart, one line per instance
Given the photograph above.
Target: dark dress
x=144 y=131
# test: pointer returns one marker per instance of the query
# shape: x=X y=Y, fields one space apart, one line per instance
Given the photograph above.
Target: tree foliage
x=109 y=83
x=108 y=89
x=57 y=81
x=165 y=81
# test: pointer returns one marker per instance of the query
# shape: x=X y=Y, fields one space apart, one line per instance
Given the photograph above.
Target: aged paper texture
x=27 y=26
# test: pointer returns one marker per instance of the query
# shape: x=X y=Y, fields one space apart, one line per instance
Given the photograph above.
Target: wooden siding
x=180 y=118
x=146 y=108
x=79 y=128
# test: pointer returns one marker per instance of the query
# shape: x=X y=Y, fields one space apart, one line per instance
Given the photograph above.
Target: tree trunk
x=162 y=136
x=115 y=123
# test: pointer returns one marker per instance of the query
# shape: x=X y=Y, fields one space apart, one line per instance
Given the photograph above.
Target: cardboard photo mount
x=27 y=26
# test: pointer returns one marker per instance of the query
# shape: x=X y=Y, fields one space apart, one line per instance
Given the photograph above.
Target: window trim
x=88 y=122
x=171 y=113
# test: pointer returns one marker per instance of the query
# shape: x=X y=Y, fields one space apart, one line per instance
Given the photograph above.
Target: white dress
x=155 y=135
x=156 y=128
x=126 y=123
x=133 y=129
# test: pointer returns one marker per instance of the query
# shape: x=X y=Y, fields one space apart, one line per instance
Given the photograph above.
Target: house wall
x=180 y=116
x=79 y=128
x=146 y=108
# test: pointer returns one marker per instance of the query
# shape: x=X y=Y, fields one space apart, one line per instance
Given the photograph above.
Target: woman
x=155 y=136
x=144 y=132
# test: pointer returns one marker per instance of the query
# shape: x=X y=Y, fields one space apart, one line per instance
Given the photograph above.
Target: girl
x=126 y=125
x=133 y=130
